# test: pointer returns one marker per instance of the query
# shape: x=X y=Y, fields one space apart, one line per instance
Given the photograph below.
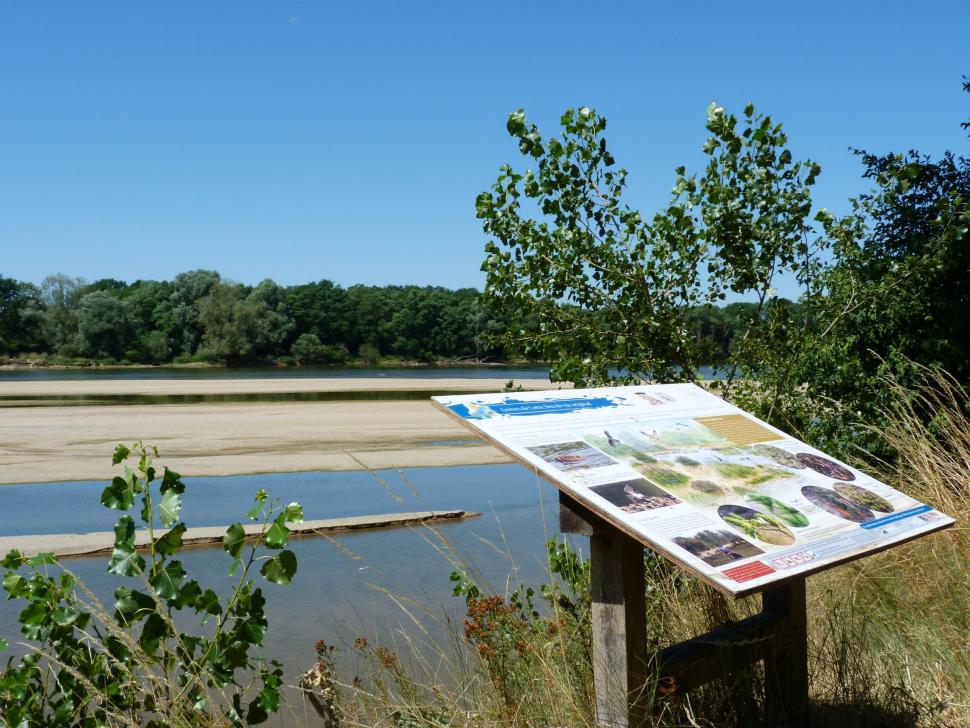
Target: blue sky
x=301 y=141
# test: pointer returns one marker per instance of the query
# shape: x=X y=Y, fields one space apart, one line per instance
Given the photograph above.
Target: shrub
x=88 y=664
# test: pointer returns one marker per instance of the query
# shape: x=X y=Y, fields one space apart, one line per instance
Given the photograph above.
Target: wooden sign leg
x=786 y=661
x=619 y=629
x=619 y=619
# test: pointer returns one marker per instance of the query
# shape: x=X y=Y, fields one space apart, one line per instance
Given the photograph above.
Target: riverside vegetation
x=871 y=364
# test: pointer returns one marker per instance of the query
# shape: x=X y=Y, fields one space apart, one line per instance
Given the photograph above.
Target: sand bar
x=268 y=385
x=81 y=544
x=75 y=442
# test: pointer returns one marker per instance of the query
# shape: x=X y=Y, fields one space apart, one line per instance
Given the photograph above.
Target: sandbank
x=67 y=443
x=268 y=385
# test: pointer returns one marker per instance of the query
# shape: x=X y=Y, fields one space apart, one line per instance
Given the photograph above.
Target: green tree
x=105 y=327
x=897 y=296
x=60 y=295
x=20 y=317
x=610 y=291
x=178 y=315
x=321 y=309
x=240 y=323
x=307 y=349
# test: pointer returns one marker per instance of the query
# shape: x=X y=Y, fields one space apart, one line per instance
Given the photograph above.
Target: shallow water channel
x=304 y=372
x=348 y=585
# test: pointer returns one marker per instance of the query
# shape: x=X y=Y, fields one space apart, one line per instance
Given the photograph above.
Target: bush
x=369 y=354
x=130 y=664
x=307 y=349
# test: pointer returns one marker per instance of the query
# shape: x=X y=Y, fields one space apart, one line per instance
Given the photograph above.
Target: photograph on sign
x=728 y=497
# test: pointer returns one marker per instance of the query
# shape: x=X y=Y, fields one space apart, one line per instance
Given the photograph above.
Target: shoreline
x=389 y=363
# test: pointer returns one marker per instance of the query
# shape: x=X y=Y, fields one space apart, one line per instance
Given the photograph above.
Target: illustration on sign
x=727 y=496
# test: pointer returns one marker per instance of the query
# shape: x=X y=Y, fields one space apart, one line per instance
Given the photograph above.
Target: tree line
x=201 y=316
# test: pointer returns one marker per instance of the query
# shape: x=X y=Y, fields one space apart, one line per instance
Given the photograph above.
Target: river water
x=218 y=373
x=354 y=584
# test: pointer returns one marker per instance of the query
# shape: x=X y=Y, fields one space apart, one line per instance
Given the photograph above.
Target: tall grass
x=889 y=635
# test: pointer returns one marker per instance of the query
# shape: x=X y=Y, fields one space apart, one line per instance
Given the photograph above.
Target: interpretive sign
x=726 y=496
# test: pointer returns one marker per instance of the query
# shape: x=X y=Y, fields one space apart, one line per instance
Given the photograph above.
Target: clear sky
x=301 y=141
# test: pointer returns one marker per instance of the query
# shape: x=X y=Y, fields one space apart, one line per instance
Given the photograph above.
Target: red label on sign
x=749 y=571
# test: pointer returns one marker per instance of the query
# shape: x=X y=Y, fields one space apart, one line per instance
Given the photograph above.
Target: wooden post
x=619 y=618
x=786 y=660
x=619 y=628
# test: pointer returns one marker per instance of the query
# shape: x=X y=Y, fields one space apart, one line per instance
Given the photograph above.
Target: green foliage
x=198 y=316
x=132 y=664
x=308 y=349
x=104 y=325
x=612 y=291
x=894 y=297
x=60 y=295
x=20 y=325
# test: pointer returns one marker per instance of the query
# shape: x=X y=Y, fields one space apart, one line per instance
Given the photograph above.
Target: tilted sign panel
x=725 y=495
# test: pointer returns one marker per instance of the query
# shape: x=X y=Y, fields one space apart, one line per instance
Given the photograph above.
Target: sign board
x=724 y=495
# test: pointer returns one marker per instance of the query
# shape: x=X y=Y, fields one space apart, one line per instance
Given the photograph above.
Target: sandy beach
x=59 y=443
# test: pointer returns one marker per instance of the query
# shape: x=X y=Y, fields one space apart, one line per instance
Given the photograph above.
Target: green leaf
x=171 y=541
x=277 y=534
x=256 y=714
x=170 y=507
x=208 y=602
x=13 y=560
x=64 y=616
x=234 y=539
x=120 y=495
x=125 y=532
x=154 y=631
x=43 y=558
x=3 y=644
x=281 y=568
x=294 y=513
x=34 y=614
x=168 y=580
x=126 y=562
x=172 y=481
x=132 y=605
x=15 y=585
x=187 y=596
x=269 y=696
x=121 y=452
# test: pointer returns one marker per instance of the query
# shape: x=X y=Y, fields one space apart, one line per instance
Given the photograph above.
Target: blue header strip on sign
x=527 y=408
x=885 y=520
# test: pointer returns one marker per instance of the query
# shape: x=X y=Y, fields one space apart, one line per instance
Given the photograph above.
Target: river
x=344 y=584
x=502 y=372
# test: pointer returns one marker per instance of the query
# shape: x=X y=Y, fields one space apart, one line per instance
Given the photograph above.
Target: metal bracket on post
x=621 y=667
